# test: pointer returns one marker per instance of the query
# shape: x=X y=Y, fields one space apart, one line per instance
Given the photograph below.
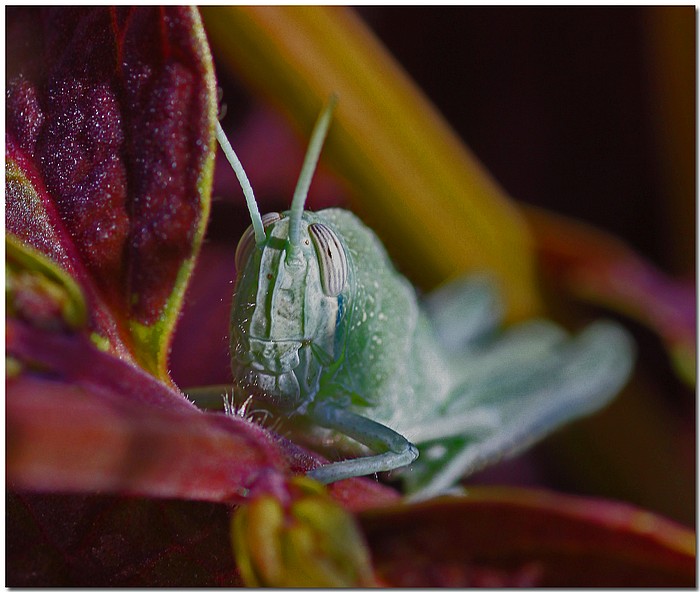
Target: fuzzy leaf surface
x=109 y=150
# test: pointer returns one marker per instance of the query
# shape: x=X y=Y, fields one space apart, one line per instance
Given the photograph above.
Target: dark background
x=588 y=111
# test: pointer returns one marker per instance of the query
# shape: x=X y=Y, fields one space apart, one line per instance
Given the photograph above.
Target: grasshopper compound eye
x=247 y=242
x=332 y=262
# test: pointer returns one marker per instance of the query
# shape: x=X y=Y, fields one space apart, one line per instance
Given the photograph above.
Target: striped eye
x=332 y=262
x=247 y=242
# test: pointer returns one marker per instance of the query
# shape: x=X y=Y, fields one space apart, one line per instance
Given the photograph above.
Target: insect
x=325 y=329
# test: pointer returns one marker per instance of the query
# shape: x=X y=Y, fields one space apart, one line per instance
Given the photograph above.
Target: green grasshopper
x=324 y=328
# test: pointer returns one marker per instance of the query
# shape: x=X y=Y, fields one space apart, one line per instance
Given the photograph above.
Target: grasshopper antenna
x=307 y=170
x=245 y=184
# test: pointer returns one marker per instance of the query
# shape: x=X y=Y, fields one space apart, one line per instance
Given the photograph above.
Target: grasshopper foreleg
x=393 y=450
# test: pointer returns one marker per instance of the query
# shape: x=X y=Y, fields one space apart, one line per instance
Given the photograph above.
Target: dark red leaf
x=74 y=360
x=110 y=149
x=64 y=438
x=599 y=268
x=70 y=540
x=492 y=538
x=82 y=420
x=499 y=537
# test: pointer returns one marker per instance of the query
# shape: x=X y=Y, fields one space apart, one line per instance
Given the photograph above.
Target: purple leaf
x=110 y=149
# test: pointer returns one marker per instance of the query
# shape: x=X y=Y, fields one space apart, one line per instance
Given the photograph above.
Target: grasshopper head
x=287 y=304
x=291 y=269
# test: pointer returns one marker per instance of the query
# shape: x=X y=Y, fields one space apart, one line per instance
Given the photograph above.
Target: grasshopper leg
x=393 y=450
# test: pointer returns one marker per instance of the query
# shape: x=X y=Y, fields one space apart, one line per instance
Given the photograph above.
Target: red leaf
x=492 y=537
x=516 y=537
x=70 y=540
x=110 y=148
x=601 y=269
x=87 y=421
